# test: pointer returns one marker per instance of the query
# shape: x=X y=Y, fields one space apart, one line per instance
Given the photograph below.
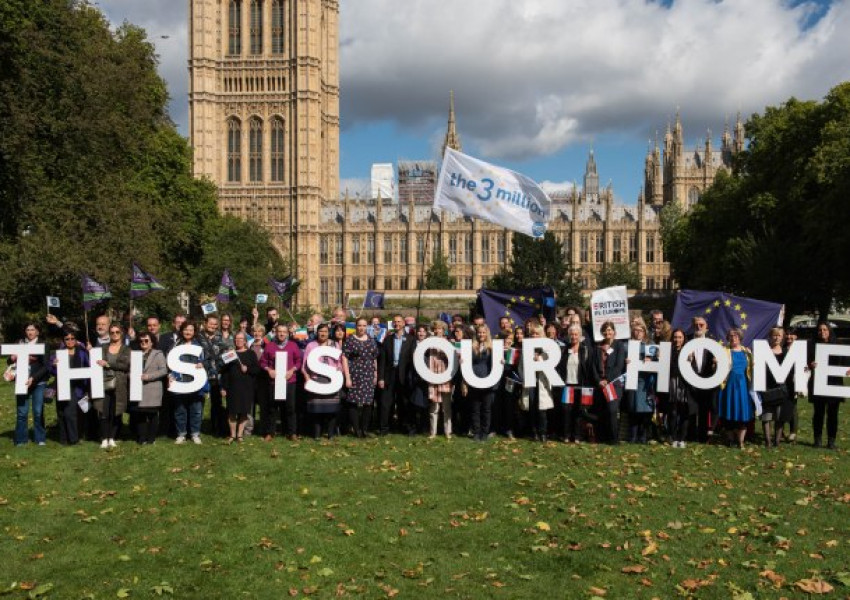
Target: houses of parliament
x=264 y=125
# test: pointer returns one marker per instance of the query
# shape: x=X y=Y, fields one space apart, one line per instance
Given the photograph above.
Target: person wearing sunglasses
x=113 y=405
x=66 y=411
x=154 y=372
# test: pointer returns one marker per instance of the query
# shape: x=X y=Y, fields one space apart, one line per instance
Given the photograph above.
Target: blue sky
x=538 y=83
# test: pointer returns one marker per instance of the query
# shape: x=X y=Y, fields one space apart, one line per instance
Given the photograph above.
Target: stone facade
x=264 y=114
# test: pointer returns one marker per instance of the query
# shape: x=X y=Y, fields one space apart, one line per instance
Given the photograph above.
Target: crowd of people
x=383 y=393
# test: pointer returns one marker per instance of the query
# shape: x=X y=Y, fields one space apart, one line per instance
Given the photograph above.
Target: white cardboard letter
x=422 y=368
x=795 y=359
x=497 y=365
x=315 y=365
x=637 y=365
x=23 y=353
x=65 y=373
x=198 y=375
x=281 y=359
x=717 y=351
x=136 y=366
x=823 y=352
x=547 y=366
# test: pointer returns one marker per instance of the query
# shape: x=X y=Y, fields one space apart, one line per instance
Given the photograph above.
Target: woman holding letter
x=609 y=364
x=824 y=406
x=116 y=365
x=36 y=380
x=439 y=395
x=323 y=408
x=188 y=408
x=576 y=370
x=536 y=401
x=639 y=403
x=238 y=383
x=66 y=412
x=734 y=403
x=481 y=400
x=154 y=371
x=683 y=404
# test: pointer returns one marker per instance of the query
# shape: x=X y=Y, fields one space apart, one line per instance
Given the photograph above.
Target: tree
x=539 y=263
x=768 y=229
x=93 y=174
x=614 y=274
x=438 y=275
x=251 y=262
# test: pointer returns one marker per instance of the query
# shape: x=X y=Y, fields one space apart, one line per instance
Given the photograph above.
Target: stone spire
x=738 y=139
x=452 y=138
x=591 y=180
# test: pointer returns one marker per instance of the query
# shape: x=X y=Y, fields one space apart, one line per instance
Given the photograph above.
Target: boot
x=817 y=443
x=831 y=443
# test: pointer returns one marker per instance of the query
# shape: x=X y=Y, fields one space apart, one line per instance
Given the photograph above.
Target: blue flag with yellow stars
x=518 y=306
x=723 y=311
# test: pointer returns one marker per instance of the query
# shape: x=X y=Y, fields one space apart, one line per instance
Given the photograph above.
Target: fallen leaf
x=543 y=526
x=814 y=586
x=597 y=591
x=774 y=577
x=633 y=569
x=650 y=549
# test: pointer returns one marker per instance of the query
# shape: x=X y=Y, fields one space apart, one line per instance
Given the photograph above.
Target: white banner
x=480 y=190
x=611 y=304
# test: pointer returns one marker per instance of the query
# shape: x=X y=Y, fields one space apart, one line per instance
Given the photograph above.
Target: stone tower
x=452 y=139
x=264 y=115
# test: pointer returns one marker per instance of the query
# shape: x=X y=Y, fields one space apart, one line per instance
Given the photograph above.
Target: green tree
x=438 y=276
x=537 y=263
x=93 y=174
x=768 y=230
x=251 y=261
x=614 y=274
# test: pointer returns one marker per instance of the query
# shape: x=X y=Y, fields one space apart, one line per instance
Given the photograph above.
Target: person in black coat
x=415 y=387
x=576 y=370
x=823 y=405
x=481 y=400
x=609 y=363
x=704 y=366
x=238 y=386
x=390 y=384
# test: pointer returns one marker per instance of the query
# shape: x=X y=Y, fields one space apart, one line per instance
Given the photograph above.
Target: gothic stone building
x=264 y=119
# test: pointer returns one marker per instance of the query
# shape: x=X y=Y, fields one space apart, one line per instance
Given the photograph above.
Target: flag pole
x=424 y=258
x=86 y=322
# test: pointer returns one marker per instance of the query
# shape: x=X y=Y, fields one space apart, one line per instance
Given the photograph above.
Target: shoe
x=292 y=438
x=181 y=439
x=230 y=440
x=268 y=437
x=792 y=437
x=543 y=438
x=112 y=443
x=830 y=444
x=448 y=436
x=682 y=445
x=42 y=443
x=817 y=443
x=196 y=439
x=104 y=444
x=510 y=435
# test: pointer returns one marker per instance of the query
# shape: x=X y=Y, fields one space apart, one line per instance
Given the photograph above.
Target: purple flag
x=143 y=283
x=93 y=292
x=284 y=288
x=227 y=289
x=722 y=312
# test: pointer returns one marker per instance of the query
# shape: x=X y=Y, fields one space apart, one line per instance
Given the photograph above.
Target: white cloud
x=532 y=77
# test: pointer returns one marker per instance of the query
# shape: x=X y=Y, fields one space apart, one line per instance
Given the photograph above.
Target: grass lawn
x=412 y=518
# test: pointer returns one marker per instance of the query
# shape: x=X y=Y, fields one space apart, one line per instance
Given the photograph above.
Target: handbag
x=109 y=381
x=10 y=373
x=774 y=396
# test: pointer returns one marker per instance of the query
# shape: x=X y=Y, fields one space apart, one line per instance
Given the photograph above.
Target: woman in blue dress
x=734 y=402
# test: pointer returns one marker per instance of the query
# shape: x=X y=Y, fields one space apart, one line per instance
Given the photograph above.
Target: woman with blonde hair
x=439 y=395
x=481 y=399
x=734 y=399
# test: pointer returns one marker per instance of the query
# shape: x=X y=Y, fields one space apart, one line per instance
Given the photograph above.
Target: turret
x=739 y=135
x=452 y=139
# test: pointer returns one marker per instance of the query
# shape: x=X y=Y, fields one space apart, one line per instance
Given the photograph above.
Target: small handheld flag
x=93 y=293
x=226 y=289
x=142 y=283
x=229 y=356
x=261 y=299
x=209 y=308
x=373 y=300
x=52 y=302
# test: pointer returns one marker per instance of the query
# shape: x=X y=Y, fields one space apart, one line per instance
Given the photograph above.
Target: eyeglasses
x=118 y=331
x=144 y=341
x=70 y=339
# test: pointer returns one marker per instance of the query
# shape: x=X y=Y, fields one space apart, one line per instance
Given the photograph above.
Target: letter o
x=422 y=369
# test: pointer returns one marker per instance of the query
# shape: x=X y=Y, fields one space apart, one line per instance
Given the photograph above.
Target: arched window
x=277 y=149
x=256 y=26
x=255 y=151
x=277 y=26
x=693 y=197
x=234 y=45
x=234 y=150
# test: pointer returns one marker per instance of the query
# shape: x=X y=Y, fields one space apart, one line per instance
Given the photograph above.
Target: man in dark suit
x=704 y=366
x=390 y=385
x=167 y=341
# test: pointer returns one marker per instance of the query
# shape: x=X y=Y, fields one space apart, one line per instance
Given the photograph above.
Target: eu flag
x=518 y=306
x=373 y=300
x=722 y=312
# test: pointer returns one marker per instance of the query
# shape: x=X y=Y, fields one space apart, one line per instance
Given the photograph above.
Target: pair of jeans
x=482 y=405
x=35 y=396
x=188 y=408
